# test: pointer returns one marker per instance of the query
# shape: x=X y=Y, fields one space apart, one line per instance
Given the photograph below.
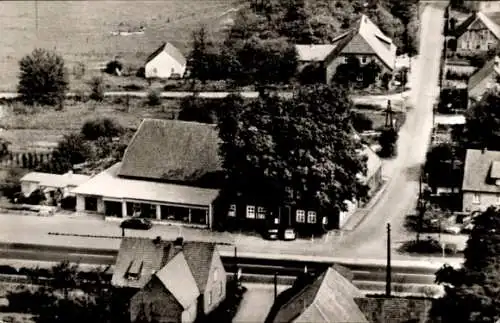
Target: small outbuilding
x=165 y=62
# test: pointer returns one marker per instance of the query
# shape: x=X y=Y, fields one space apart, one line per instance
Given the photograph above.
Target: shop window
x=91 y=203
x=250 y=212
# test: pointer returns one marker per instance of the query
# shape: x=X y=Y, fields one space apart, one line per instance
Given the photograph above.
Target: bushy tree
x=388 y=142
x=153 y=98
x=97 y=89
x=471 y=292
x=101 y=127
x=43 y=78
x=444 y=166
x=482 y=128
x=296 y=152
x=198 y=109
x=71 y=150
x=198 y=58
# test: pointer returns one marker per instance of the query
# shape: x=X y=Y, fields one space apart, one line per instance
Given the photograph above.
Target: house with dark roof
x=165 y=62
x=478 y=33
x=481 y=183
x=364 y=40
x=484 y=79
x=330 y=298
x=171 y=281
x=168 y=172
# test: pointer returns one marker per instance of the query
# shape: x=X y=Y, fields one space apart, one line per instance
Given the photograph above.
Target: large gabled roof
x=488 y=68
x=475 y=18
x=171 y=50
x=172 y=150
x=477 y=172
x=330 y=298
x=366 y=38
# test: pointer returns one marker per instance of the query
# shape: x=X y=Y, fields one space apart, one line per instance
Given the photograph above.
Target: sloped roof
x=369 y=39
x=55 y=180
x=171 y=50
x=178 y=280
x=395 y=309
x=313 y=53
x=488 y=68
x=108 y=184
x=477 y=171
x=495 y=170
x=155 y=256
x=330 y=298
x=478 y=17
x=172 y=150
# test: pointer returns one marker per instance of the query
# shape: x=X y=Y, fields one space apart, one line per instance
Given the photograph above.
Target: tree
x=347 y=74
x=295 y=23
x=482 y=127
x=71 y=150
x=443 y=166
x=97 y=89
x=101 y=127
x=471 y=292
x=197 y=109
x=297 y=152
x=153 y=98
x=198 y=58
x=388 y=142
x=43 y=78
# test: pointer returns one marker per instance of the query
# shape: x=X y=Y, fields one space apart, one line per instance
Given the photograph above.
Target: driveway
x=399 y=198
x=256 y=303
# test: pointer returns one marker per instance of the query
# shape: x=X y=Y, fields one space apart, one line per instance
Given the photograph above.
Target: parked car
x=289 y=234
x=272 y=234
x=136 y=223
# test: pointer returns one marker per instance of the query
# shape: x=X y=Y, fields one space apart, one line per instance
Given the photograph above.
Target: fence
x=25 y=159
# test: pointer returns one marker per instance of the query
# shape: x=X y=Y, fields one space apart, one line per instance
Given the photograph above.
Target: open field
x=81 y=30
x=44 y=127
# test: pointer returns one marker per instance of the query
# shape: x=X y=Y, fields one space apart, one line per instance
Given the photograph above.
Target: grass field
x=81 y=30
x=42 y=128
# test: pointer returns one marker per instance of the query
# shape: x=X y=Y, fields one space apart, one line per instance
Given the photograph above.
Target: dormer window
x=134 y=270
x=495 y=173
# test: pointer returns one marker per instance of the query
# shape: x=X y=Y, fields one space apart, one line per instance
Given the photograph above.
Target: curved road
x=369 y=238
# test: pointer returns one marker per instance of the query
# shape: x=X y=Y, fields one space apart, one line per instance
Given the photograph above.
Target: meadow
x=82 y=30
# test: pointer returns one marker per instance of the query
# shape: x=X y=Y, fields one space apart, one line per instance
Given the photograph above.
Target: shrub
x=97 y=89
x=8 y=270
x=133 y=87
x=361 y=122
x=428 y=246
x=102 y=127
x=80 y=96
x=388 y=142
x=114 y=67
x=43 y=78
x=141 y=72
x=79 y=70
x=153 y=98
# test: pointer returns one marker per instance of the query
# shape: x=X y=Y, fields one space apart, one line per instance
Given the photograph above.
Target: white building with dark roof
x=165 y=62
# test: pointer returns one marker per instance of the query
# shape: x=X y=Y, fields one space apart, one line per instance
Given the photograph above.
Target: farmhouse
x=477 y=34
x=166 y=62
x=168 y=172
x=481 y=184
x=171 y=281
x=484 y=79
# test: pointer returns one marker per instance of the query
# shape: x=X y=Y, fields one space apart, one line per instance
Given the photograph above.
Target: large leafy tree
x=482 y=128
x=71 y=150
x=43 y=78
x=472 y=292
x=444 y=165
x=292 y=152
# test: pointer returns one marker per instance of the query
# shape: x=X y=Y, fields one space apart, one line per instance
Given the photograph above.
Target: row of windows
x=300 y=215
x=476 y=198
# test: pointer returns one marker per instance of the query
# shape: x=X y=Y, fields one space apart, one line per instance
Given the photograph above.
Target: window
x=232 y=210
x=220 y=288
x=311 y=217
x=209 y=297
x=300 y=216
x=261 y=212
x=134 y=270
x=364 y=59
x=250 y=212
x=325 y=220
x=498 y=198
x=476 y=199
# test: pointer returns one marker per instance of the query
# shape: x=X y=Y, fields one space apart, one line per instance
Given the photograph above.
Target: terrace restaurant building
x=167 y=173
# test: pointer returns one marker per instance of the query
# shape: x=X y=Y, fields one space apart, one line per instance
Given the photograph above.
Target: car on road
x=289 y=234
x=272 y=234
x=136 y=223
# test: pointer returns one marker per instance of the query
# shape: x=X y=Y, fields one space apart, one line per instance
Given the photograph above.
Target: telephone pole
x=388 y=267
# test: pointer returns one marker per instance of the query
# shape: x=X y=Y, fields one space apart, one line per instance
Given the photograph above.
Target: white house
x=166 y=62
x=51 y=182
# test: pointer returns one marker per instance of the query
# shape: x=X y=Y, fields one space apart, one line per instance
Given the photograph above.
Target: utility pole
x=388 y=115
x=36 y=18
x=235 y=263
x=275 y=285
x=388 y=267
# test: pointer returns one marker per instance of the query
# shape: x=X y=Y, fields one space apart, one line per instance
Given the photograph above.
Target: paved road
x=368 y=240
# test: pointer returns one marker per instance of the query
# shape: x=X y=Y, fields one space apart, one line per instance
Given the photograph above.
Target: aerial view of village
x=261 y=161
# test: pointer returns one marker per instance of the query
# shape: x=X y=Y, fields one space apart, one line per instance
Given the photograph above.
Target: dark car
x=136 y=223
